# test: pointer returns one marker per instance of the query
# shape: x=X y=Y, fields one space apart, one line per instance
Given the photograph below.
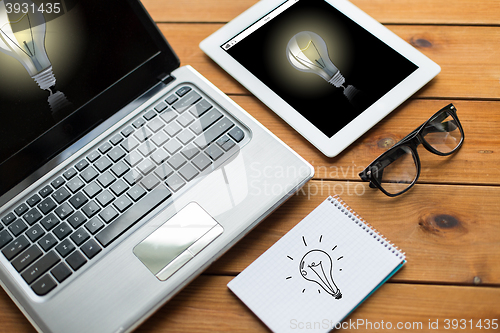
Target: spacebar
x=133 y=215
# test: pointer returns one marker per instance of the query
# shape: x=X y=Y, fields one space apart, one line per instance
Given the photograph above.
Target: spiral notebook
x=319 y=272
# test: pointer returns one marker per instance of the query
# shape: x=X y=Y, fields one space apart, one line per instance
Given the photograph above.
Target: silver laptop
x=122 y=176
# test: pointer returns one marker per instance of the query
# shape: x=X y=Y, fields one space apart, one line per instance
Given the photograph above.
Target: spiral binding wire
x=350 y=213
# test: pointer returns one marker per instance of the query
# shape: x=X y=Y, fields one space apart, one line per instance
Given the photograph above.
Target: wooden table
x=448 y=225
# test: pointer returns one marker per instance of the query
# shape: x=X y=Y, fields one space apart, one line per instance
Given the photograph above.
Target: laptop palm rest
x=177 y=241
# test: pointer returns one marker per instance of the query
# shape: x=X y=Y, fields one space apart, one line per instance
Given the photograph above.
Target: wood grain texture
x=400 y=11
x=467 y=56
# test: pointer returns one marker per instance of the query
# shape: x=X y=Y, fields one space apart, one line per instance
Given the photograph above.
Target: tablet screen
x=318 y=60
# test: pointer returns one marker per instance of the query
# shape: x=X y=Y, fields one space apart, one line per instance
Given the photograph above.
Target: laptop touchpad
x=177 y=241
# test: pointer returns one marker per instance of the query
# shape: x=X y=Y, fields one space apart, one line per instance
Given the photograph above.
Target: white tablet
x=324 y=66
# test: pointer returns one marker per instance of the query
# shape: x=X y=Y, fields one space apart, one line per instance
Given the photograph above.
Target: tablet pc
x=324 y=66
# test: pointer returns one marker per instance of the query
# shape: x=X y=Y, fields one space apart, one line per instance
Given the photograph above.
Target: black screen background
x=367 y=63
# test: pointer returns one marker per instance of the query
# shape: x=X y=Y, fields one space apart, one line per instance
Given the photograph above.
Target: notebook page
x=286 y=299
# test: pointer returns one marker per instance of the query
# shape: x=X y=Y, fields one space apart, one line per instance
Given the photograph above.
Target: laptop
x=122 y=175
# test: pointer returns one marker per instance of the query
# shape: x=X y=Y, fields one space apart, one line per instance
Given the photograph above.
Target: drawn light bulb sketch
x=316 y=266
x=308 y=52
x=22 y=36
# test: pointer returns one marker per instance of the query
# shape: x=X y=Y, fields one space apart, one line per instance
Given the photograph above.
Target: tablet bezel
x=427 y=70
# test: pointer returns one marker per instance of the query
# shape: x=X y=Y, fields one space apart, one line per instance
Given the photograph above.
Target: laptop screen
x=66 y=66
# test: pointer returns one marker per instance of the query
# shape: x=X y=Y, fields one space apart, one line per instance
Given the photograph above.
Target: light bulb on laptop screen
x=316 y=266
x=22 y=36
x=307 y=52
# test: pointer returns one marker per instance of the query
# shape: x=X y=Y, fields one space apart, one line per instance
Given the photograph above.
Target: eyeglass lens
x=400 y=172
x=442 y=133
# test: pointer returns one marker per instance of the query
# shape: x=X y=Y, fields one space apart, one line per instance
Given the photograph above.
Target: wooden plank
x=475 y=163
x=449 y=233
x=207 y=305
x=386 y=11
x=468 y=58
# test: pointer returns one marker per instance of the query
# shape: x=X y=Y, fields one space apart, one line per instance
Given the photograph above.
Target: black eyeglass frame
x=412 y=141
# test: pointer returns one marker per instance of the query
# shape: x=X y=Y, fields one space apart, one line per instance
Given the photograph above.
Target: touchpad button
x=177 y=241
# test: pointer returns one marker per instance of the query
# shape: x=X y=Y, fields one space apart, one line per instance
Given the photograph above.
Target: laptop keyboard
x=89 y=205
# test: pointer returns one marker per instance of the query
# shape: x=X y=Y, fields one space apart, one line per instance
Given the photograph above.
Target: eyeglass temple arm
x=376 y=171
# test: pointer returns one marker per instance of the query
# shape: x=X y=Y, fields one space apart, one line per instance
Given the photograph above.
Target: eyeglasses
x=397 y=170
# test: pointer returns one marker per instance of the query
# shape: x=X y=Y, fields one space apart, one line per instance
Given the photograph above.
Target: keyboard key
x=119 y=187
x=49 y=221
x=44 y=192
x=237 y=134
x=61 y=272
x=18 y=227
x=93 y=156
x=9 y=218
x=75 y=184
x=186 y=136
x=5 y=238
x=27 y=258
x=201 y=161
x=47 y=242
x=60 y=195
x=104 y=148
x=91 y=249
x=76 y=260
x=160 y=138
x=89 y=174
x=92 y=189
x=199 y=109
x=108 y=214
x=46 y=206
x=80 y=236
x=185 y=119
x=64 y=211
x=106 y=179
x=190 y=151
x=177 y=161
x=65 y=248
x=62 y=230
x=33 y=200
x=94 y=225
x=122 y=203
x=116 y=139
x=161 y=107
x=183 y=91
x=21 y=209
x=102 y=164
x=150 y=182
x=136 y=192
x=77 y=220
x=143 y=134
x=146 y=167
x=159 y=156
x=173 y=129
x=156 y=125
x=132 y=216
x=163 y=171
x=32 y=216
x=130 y=144
x=91 y=209
x=168 y=116
x=35 y=233
x=116 y=154
x=105 y=198
x=206 y=121
x=56 y=183
x=133 y=158
x=187 y=101
x=81 y=165
x=147 y=148
x=78 y=200
x=214 y=152
x=151 y=114
x=214 y=132
x=70 y=173
x=40 y=267
x=228 y=144
x=44 y=285
x=127 y=131
x=139 y=123
x=16 y=247
x=119 y=169
x=188 y=172
x=171 y=99
x=175 y=182
x=132 y=177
